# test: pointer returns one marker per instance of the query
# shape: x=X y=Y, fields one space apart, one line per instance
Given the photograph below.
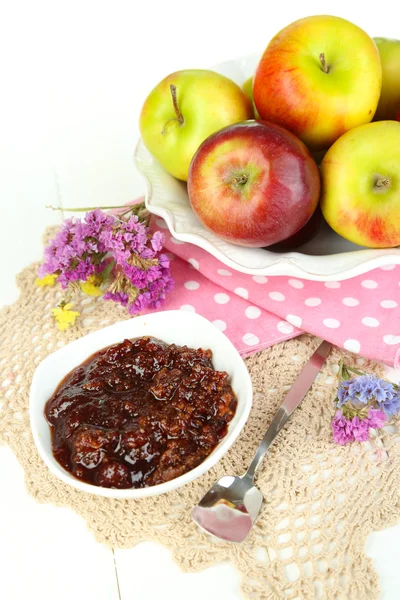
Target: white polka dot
x=221 y=325
x=192 y=285
x=370 y=322
x=370 y=284
x=295 y=283
x=224 y=272
x=221 y=298
x=277 y=296
x=350 y=302
x=391 y=339
x=260 y=279
x=161 y=223
x=332 y=285
x=331 y=323
x=194 y=263
x=284 y=327
x=250 y=339
x=175 y=241
x=388 y=304
x=312 y=301
x=388 y=267
x=294 y=320
x=252 y=312
x=242 y=292
x=188 y=308
x=352 y=346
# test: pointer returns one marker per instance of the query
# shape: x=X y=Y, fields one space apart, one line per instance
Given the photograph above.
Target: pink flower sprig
x=363 y=402
x=116 y=257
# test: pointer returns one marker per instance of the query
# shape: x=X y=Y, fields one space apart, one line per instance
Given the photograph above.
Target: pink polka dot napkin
x=360 y=314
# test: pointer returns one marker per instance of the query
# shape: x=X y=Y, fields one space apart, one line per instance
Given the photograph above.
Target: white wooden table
x=76 y=77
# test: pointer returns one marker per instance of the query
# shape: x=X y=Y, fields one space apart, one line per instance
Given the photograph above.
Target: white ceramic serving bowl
x=328 y=257
x=174 y=326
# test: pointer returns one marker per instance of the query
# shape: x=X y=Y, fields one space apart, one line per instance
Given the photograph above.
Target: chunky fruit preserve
x=139 y=413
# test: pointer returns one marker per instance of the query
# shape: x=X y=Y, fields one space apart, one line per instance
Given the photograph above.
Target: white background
x=74 y=76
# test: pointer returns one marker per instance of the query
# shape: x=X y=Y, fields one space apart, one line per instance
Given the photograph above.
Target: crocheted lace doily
x=321 y=500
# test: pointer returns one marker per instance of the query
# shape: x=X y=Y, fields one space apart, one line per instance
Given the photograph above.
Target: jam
x=139 y=413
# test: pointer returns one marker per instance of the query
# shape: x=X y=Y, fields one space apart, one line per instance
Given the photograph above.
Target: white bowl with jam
x=141 y=407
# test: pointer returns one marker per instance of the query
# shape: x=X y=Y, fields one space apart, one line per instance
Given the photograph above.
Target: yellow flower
x=90 y=288
x=46 y=280
x=64 y=316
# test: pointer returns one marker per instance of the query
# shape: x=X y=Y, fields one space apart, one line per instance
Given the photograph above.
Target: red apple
x=307 y=233
x=253 y=184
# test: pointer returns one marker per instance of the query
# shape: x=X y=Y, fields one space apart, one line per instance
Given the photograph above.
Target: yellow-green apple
x=183 y=110
x=253 y=184
x=389 y=101
x=361 y=185
x=247 y=87
x=319 y=77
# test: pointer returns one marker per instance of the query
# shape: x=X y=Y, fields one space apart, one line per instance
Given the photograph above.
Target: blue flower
x=365 y=388
x=343 y=393
x=370 y=387
x=392 y=405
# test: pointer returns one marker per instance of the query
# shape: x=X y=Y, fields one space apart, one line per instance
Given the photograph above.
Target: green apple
x=183 y=110
x=319 y=77
x=389 y=102
x=361 y=185
x=247 y=87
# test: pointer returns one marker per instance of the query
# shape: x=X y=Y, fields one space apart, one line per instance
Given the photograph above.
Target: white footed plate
x=327 y=257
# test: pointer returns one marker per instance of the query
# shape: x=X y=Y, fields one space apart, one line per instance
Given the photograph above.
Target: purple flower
x=138 y=277
x=120 y=297
x=140 y=304
x=82 y=248
x=376 y=418
x=349 y=430
x=392 y=405
x=164 y=261
x=360 y=429
x=342 y=434
x=77 y=247
x=157 y=241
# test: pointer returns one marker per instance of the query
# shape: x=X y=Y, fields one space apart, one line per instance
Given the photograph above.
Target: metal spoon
x=230 y=507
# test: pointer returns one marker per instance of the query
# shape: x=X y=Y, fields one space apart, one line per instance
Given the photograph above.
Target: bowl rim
x=36 y=412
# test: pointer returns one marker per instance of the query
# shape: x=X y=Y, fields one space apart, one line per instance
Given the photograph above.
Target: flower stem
x=356 y=371
x=340 y=374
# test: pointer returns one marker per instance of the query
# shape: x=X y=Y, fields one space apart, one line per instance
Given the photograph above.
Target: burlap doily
x=321 y=500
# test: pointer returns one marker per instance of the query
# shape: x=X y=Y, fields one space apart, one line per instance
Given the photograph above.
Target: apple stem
x=178 y=113
x=325 y=67
x=382 y=182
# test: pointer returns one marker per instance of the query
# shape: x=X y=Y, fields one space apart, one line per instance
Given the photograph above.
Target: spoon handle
x=299 y=389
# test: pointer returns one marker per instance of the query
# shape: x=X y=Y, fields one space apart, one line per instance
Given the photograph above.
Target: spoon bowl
x=230 y=507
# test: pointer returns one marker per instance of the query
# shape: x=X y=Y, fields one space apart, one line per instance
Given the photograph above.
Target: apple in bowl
x=253 y=184
x=361 y=186
x=319 y=77
x=183 y=110
x=389 y=100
